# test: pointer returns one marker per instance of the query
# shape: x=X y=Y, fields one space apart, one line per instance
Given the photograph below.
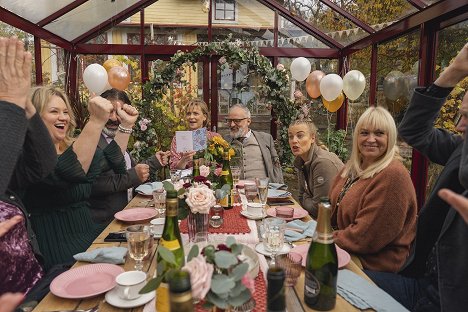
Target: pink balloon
x=313 y=83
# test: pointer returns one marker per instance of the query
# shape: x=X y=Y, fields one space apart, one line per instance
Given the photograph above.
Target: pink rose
x=217 y=171
x=204 y=170
x=200 y=276
x=249 y=283
x=200 y=199
x=280 y=67
x=298 y=94
x=143 y=127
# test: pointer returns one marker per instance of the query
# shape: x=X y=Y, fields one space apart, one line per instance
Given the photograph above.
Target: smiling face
x=300 y=140
x=238 y=122
x=56 y=118
x=195 y=117
x=372 y=144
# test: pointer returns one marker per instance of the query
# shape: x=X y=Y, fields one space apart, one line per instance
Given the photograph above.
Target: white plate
x=148 y=188
x=113 y=299
x=260 y=248
x=246 y=214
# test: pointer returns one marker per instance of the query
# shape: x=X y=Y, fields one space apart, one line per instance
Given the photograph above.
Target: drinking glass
x=262 y=186
x=159 y=197
x=138 y=239
x=250 y=192
x=216 y=216
x=201 y=240
x=175 y=175
x=235 y=171
x=291 y=263
x=273 y=236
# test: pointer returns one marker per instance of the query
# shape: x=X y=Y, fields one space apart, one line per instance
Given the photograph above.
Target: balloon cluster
x=331 y=87
x=111 y=74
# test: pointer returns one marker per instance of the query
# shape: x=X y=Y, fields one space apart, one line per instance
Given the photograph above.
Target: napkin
x=364 y=295
x=147 y=188
x=308 y=229
x=272 y=193
x=114 y=255
x=277 y=186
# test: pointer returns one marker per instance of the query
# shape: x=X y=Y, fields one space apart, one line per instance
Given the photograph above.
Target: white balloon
x=354 y=84
x=331 y=86
x=95 y=78
x=300 y=68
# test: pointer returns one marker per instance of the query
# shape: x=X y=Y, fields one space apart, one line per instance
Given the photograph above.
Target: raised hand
x=163 y=157
x=456 y=71
x=143 y=172
x=457 y=201
x=99 y=109
x=15 y=71
x=127 y=115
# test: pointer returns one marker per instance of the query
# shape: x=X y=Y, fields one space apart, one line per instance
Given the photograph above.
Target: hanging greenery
x=153 y=113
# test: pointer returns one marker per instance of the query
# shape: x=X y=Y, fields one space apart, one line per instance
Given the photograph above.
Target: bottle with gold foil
x=196 y=168
x=226 y=178
x=170 y=239
x=180 y=292
x=321 y=270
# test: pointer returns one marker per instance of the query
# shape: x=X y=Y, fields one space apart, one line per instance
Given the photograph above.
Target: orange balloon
x=119 y=78
x=333 y=106
x=111 y=63
x=313 y=83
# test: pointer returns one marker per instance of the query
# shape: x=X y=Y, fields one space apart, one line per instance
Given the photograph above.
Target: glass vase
x=197 y=222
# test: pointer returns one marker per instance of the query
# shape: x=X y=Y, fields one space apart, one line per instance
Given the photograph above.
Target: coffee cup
x=129 y=284
x=255 y=209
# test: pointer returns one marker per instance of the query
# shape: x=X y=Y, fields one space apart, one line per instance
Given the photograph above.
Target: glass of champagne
x=250 y=191
x=262 y=186
x=235 y=171
x=273 y=237
x=159 y=197
x=138 y=239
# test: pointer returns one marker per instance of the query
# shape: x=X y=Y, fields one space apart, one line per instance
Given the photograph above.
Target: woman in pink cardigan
x=373 y=198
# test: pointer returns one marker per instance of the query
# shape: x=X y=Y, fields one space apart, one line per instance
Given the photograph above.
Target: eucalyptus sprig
x=167 y=266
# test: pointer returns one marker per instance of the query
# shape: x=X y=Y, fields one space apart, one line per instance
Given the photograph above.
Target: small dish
x=246 y=214
x=136 y=215
x=260 y=248
x=113 y=299
x=343 y=256
x=298 y=213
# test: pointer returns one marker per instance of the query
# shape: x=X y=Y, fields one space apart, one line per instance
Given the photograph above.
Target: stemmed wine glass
x=138 y=239
x=273 y=238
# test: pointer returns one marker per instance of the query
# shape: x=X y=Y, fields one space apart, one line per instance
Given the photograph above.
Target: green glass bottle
x=180 y=292
x=276 y=301
x=170 y=239
x=321 y=269
x=196 y=168
x=226 y=178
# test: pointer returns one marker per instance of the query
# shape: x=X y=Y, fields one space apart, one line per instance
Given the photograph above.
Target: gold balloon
x=333 y=106
x=119 y=78
x=313 y=83
x=111 y=63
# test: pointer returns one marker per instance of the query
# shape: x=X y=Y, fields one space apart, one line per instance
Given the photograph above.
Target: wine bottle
x=180 y=292
x=226 y=178
x=196 y=168
x=275 y=292
x=321 y=269
x=170 y=239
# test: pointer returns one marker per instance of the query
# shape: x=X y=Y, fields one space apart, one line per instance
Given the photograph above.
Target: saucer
x=260 y=248
x=113 y=299
x=246 y=214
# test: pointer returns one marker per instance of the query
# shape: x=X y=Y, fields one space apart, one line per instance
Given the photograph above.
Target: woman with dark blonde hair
x=316 y=167
x=197 y=116
x=373 y=198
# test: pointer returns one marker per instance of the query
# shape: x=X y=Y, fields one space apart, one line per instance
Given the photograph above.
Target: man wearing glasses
x=256 y=150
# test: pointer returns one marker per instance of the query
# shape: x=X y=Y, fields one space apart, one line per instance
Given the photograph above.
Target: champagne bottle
x=226 y=178
x=171 y=240
x=275 y=293
x=180 y=292
x=196 y=167
x=321 y=269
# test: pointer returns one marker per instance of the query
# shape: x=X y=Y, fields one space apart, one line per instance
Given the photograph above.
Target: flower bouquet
x=216 y=148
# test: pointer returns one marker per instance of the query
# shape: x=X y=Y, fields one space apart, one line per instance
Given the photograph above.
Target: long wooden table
x=294 y=295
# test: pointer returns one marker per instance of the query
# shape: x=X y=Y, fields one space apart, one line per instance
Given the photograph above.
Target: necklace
x=347 y=185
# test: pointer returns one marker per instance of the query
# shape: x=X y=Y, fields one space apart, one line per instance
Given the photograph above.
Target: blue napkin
x=308 y=229
x=114 y=255
x=277 y=186
x=147 y=188
x=364 y=295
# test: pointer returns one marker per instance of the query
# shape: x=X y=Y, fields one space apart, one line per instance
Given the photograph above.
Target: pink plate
x=86 y=281
x=298 y=213
x=135 y=214
x=343 y=255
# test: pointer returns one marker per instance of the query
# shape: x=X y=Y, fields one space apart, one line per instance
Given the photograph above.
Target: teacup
x=255 y=209
x=129 y=284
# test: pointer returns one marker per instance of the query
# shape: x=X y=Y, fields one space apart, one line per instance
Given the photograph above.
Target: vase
x=196 y=223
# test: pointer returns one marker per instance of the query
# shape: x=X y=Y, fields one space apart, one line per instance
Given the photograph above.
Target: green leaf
x=230 y=240
x=152 y=284
x=236 y=291
x=224 y=259
x=217 y=301
x=239 y=271
x=179 y=192
x=193 y=253
x=244 y=296
x=168 y=186
x=236 y=249
x=221 y=284
x=167 y=255
x=220 y=193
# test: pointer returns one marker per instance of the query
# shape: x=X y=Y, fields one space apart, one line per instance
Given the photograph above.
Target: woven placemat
x=233 y=223
x=259 y=295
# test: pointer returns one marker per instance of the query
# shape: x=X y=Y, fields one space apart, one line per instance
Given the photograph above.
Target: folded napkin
x=277 y=186
x=273 y=193
x=307 y=228
x=147 y=188
x=114 y=255
x=364 y=295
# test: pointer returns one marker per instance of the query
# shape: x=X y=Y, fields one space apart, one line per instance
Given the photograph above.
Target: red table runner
x=233 y=223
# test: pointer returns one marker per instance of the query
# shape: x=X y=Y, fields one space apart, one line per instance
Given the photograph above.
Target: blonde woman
x=374 y=202
x=316 y=167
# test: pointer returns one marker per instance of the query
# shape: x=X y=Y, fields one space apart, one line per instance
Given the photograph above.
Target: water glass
x=273 y=236
x=262 y=186
x=175 y=175
x=216 y=216
x=250 y=192
x=201 y=240
x=159 y=197
x=138 y=240
x=291 y=263
x=235 y=171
